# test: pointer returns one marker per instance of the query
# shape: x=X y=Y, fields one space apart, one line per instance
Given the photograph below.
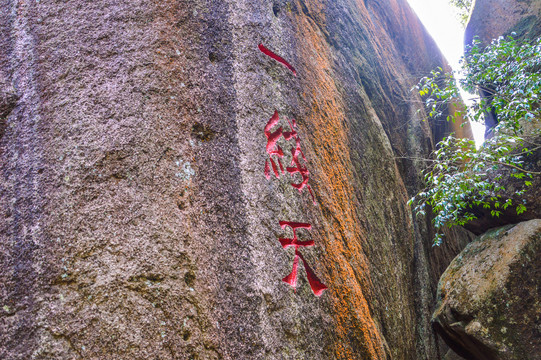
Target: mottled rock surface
x=8 y=101
x=136 y=221
x=489 y=299
x=491 y=19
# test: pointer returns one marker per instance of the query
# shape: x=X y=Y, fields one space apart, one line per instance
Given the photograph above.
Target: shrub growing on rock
x=461 y=176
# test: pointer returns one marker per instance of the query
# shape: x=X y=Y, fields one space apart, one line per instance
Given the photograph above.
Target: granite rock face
x=491 y=19
x=489 y=299
x=8 y=101
x=136 y=221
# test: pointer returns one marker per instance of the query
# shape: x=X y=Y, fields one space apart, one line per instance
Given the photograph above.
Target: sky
x=441 y=22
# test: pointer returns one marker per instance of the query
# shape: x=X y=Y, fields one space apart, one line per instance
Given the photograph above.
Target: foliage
x=461 y=176
x=463 y=8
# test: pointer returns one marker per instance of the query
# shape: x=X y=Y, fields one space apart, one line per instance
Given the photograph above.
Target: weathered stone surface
x=8 y=101
x=135 y=218
x=489 y=299
x=491 y=19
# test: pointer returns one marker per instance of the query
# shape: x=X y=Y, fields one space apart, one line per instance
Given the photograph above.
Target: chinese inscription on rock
x=297 y=165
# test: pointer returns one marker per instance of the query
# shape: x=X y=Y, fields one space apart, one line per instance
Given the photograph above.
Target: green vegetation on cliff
x=462 y=177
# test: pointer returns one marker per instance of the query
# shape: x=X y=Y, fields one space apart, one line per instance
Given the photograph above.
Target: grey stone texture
x=491 y=19
x=135 y=218
x=489 y=300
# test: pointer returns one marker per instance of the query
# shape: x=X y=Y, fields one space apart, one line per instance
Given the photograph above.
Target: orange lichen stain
x=347 y=273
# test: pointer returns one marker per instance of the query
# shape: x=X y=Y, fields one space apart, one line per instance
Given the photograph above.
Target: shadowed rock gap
x=23 y=190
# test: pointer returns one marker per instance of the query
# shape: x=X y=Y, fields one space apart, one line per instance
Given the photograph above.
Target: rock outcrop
x=489 y=299
x=491 y=19
x=136 y=221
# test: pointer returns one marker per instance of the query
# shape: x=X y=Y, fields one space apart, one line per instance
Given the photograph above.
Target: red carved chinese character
x=272 y=147
x=315 y=284
x=295 y=242
x=276 y=57
x=298 y=168
x=295 y=162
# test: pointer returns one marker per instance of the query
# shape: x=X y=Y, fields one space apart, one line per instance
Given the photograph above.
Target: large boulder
x=136 y=220
x=489 y=298
x=490 y=19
